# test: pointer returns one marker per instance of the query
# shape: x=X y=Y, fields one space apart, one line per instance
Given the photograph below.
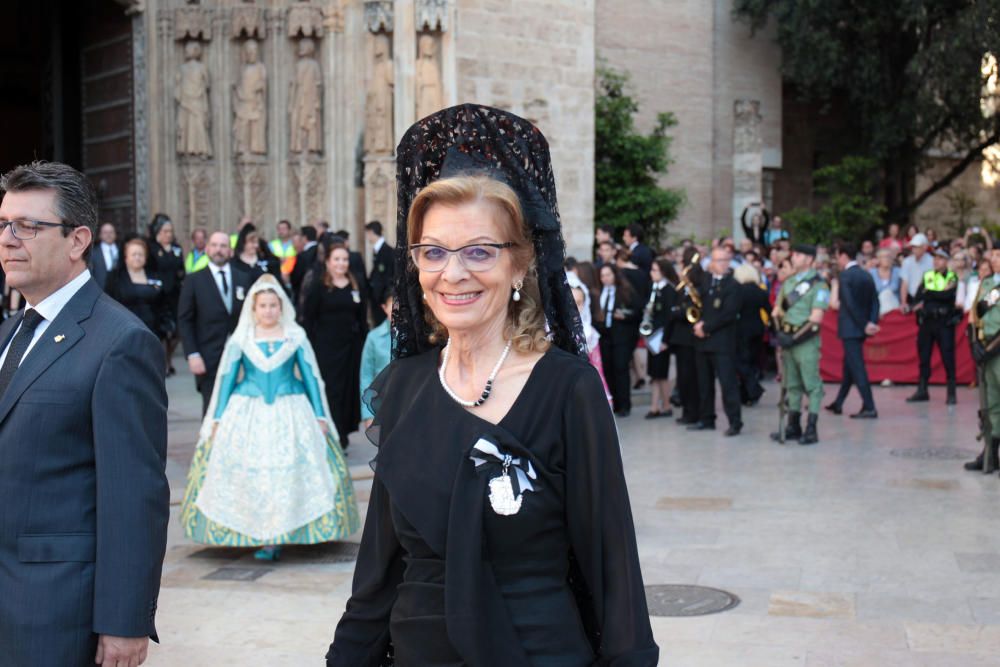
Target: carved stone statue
x=192 y=104
x=430 y=96
x=378 y=105
x=250 y=104
x=306 y=101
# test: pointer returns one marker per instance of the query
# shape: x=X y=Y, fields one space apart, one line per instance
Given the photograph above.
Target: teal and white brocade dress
x=269 y=475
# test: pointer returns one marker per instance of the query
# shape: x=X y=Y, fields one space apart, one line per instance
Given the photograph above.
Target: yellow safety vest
x=280 y=251
x=192 y=265
x=935 y=282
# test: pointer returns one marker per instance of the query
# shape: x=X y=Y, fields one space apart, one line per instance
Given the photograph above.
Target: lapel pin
x=59 y=338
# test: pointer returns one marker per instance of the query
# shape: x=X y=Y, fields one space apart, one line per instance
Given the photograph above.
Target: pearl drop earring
x=517 y=290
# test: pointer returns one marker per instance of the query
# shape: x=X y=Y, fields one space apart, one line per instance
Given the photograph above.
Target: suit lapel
x=47 y=350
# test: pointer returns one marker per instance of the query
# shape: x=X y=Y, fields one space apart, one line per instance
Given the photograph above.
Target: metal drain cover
x=946 y=453
x=684 y=600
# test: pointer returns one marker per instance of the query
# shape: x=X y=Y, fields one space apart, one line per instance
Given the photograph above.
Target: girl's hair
x=525 y=318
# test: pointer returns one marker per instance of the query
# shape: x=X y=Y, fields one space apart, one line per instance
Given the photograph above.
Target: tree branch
x=953 y=173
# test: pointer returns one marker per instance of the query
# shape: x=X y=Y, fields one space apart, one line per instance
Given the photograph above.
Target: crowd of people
x=730 y=311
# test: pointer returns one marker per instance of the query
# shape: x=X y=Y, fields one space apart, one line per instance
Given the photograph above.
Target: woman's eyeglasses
x=476 y=257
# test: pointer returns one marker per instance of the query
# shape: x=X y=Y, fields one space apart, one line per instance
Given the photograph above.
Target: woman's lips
x=463 y=299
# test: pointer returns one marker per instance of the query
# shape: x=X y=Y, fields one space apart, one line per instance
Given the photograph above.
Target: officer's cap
x=942 y=253
x=805 y=249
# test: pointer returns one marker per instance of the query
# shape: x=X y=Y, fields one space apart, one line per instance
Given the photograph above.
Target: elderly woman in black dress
x=138 y=289
x=499 y=531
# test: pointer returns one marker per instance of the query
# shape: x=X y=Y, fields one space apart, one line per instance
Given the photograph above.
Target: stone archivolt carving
x=306 y=101
x=196 y=181
x=250 y=104
x=430 y=95
x=247 y=22
x=432 y=15
x=252 y=182
x=333 y=17
x=378 y=102
x=305 y=21
x=378 y=15
x=193 y=111
x=307 y=192
x=193 y=23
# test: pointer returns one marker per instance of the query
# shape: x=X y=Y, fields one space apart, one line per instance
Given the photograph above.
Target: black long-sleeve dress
x=443 y=580
x=658 y=365
x=334 y=318
x=168 y=266
x=145 y=301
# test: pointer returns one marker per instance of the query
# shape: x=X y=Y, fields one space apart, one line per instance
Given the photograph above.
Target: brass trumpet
x=693 y=312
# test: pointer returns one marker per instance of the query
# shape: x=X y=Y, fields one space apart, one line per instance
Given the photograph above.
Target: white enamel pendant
x=502 y=496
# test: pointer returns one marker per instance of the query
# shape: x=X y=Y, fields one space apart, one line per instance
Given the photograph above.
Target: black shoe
x=976 y=465
x=865 y=414
x=734 y=429
x=639 y=384
x=702 y=426
x=622 y=413
x=951 y=400
x=810 y=437
x=657 y=414
x=920 y=395
x=979 y=463
x=834 y=408
x=684 y=421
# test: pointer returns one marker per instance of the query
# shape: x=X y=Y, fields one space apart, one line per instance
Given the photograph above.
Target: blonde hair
x=745 y=273
x=525 y=318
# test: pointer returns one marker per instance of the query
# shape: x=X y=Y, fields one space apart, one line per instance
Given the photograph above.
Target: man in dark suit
x=105 y=256
x=208 y=311
x=83 y=439
x=715 y=350
x=640 y=253
x=383 y=267
x=856 y=320
x=305 y=259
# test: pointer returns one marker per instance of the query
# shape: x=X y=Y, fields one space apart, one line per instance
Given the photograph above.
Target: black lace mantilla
x=471 y=138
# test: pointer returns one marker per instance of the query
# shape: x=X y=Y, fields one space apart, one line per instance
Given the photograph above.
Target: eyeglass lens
x=473 y=257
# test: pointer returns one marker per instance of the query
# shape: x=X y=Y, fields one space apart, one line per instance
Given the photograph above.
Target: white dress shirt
x=227 y=297
x=110 y=252
x=608 y=304
x=378 y=245
x=49 y=308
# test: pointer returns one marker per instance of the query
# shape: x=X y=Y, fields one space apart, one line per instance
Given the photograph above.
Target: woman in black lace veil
x=499 y=531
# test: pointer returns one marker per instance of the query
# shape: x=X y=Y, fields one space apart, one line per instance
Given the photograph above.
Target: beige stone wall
x=937 y=212
x=536 y=59
x=696 y=62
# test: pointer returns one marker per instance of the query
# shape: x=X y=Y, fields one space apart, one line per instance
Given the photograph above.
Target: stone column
x=747 y=159
x=381 y=21
x=140 y=118
x=404 y=52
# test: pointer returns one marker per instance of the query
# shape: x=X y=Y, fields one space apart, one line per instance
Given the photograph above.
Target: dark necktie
x=225 y=283
x=18 y=347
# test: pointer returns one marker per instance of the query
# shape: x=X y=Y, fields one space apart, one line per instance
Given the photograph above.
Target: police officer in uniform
x=937 y=316
x=798 y=314
x=985 y=320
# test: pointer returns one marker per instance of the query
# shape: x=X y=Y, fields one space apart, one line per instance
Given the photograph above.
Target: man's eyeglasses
x=25 y=230
x=476 y=257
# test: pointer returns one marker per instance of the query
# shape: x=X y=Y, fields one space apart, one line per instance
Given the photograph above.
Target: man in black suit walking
x=383 y=267
x=83 y=440
x=105 y=256
x=208 y=312
x=304 y=260
x=639 y=253
x=856 y=320
x=715 y=350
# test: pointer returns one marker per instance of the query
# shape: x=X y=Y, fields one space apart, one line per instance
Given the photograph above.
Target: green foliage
x=909 y=73
x=850 y=211
x=628 y=163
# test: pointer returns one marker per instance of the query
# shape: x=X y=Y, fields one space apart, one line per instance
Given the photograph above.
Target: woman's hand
x=323 y=426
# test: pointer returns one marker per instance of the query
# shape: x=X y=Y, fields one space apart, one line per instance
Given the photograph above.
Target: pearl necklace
x=489 y=382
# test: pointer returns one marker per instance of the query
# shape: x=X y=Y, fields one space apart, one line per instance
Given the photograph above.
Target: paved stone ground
x=863 y=550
